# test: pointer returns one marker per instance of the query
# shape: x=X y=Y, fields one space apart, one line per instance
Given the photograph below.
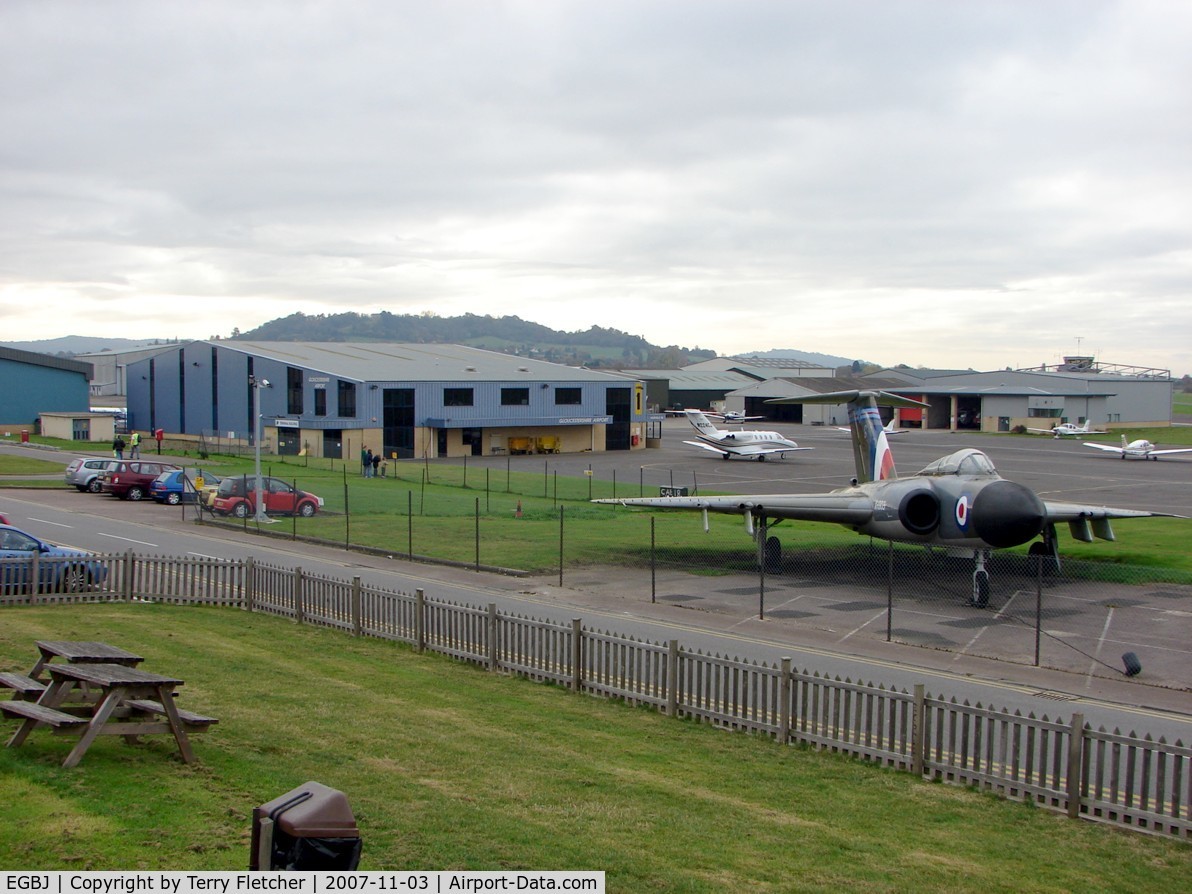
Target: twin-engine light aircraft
x=753 y=444
x=1140 y=449
x=957 y=501
x=733 y=416
x=1067 y=430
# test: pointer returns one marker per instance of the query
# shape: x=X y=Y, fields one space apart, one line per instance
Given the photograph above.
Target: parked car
x=130 y=479
x=60 y=569
x=237 y=496
x=87 y=474
x=179 y=486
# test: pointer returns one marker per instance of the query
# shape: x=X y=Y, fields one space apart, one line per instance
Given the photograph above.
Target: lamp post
x=257 y=384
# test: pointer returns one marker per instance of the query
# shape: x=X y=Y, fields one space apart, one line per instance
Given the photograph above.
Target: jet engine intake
x=919 y=511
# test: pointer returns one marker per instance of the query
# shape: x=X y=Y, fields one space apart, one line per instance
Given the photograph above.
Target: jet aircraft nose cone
x=1006 y=513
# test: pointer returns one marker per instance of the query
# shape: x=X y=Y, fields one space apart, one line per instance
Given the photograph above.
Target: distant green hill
x=593 y=347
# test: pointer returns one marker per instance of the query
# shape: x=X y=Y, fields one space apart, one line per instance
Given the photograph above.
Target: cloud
x=937 y=184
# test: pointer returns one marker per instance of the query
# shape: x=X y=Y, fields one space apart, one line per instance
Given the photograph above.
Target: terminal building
x=333 y=399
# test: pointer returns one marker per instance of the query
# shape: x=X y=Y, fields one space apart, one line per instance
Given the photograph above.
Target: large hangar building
x=333 y=399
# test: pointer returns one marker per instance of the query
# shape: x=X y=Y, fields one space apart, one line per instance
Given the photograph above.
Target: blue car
x=178 y=486
x=60 y=569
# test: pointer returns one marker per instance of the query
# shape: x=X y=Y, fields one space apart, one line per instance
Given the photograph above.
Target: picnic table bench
x=123 y=701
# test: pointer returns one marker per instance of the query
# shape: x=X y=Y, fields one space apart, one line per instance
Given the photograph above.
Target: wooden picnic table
x=75 y=651
x=131 y=703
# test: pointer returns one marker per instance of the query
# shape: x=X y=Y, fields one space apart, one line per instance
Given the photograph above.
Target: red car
x=237 y=496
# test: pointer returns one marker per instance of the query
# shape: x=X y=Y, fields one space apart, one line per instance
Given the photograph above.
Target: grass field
x=448 y=767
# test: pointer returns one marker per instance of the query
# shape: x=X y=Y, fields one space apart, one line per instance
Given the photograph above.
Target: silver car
x=85 y=473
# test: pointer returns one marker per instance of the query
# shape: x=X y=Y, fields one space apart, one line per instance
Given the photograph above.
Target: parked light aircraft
x=754 y=444
x=1066 y=430
x=1140 y=449
x=733 y=416
x=742 y=442
x=888 y=428
x=957 y=501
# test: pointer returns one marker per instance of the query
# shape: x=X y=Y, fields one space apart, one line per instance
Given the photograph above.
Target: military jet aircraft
x=754 y=444
x=1066 y=430
x=1140 y=449
x=957 y=501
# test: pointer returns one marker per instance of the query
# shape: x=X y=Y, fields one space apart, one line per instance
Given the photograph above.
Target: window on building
x=293 y=391
x=347 y=400
x=320 y=401
x=457 y=397
x=515 y=397
x=570 y=397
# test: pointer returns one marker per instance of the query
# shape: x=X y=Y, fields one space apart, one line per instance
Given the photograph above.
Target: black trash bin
x=309 y=828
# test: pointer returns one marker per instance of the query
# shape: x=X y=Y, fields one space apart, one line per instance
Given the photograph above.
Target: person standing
x=376 y=463
x=118 y=447
x=365 y=459
x=134 y=441
x=368 y=463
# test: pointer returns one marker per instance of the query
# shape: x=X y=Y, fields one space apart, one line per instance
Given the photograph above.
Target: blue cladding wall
x=26 y=390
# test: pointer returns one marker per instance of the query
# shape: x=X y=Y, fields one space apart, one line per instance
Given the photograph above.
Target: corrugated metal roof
x=34 y=358
x=387 y=362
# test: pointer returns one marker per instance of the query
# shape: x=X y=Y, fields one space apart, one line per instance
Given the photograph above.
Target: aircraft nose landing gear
x=980 y=579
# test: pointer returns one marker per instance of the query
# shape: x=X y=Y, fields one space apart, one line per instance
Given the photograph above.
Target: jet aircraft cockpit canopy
x=969 y=462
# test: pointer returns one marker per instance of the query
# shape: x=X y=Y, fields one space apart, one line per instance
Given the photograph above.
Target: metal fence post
x=561 y=508
x=653 y=565
x=1075 y=771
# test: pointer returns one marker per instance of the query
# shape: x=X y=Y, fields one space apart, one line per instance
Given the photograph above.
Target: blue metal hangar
x=334 y=399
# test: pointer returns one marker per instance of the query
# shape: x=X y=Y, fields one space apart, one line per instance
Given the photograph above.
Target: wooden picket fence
x=1067 y=766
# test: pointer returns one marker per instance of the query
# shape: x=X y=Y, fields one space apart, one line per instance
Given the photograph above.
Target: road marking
x=43 y=521
x=129 y=539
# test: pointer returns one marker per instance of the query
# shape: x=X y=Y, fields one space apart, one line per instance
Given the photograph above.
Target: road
x=102 y=524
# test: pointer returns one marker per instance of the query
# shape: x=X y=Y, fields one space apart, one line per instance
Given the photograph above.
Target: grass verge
x=448 y=767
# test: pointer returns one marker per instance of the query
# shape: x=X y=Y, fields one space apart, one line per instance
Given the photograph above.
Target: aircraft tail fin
x=871 y=450
x=701 y=423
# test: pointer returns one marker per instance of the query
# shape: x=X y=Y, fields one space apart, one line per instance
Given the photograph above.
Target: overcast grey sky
x=939 y=183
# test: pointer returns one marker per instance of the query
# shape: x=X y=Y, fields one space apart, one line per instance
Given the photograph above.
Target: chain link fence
x=517 y=516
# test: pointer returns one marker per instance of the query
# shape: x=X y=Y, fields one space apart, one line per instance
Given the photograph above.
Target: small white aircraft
x=1067 y=430
x=1140 y=449
x=888 y=428
x=754 y=444
x=733 y=416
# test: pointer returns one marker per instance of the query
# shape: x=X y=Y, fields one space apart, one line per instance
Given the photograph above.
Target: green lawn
x=448 y=767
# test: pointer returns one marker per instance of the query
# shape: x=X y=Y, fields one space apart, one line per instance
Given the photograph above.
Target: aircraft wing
x=1067 y=512
x=1107 y=447
x=839 y=508
x=745 y=449
x=707 y=446
x=1043 y=431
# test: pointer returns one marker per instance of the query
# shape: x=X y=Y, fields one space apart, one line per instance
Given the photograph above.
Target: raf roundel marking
x=962 y=511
